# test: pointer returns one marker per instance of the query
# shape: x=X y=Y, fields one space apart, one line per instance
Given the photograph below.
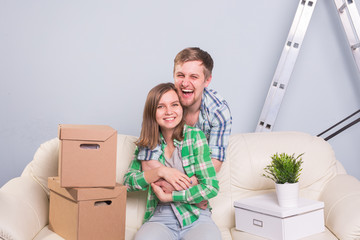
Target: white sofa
x=24 y=200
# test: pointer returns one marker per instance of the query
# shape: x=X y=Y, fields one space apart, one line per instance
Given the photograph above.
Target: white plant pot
x=287 y=194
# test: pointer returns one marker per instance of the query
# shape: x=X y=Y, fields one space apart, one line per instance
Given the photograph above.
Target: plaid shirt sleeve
x=148 y=154
x=204 y=170
x=220 y=131
x=134 y=178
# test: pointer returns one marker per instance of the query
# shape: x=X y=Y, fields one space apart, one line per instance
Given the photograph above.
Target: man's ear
x=208 y=80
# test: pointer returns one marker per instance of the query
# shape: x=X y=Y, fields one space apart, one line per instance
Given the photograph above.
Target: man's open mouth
x=187 y=92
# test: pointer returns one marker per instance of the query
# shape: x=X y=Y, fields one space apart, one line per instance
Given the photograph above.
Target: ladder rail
x=350 y=19
x=286 y=65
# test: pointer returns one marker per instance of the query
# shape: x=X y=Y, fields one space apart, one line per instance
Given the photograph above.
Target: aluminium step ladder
x=350 y=19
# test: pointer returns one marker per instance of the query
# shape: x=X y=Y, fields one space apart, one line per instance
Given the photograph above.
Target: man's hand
x=161 y=195
x=165 y=186
x=203 y=204
x=168 y=188
x=217 y=164
x=177 y=179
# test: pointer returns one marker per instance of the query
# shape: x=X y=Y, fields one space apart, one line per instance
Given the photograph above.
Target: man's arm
x=149 y=160
x=208 y=186
x=150 y=164
x=178 y=180
x=219 y=135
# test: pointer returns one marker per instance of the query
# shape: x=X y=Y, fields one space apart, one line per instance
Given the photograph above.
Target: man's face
x=190 y=82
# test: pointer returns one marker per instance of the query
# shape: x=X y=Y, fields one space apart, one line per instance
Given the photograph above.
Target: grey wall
x=93 y=62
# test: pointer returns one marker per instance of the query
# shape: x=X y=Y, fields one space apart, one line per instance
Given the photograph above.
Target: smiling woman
x=169 y=113
x=185 y=157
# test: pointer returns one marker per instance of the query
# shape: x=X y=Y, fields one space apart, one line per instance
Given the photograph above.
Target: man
x=203 y=107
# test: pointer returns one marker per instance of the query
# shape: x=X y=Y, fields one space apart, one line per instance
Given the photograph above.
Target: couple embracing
x=182 y=144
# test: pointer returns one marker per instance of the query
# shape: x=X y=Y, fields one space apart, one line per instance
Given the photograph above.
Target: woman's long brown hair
x=150 y=129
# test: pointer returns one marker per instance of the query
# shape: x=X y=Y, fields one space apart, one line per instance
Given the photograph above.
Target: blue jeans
x=163 y=225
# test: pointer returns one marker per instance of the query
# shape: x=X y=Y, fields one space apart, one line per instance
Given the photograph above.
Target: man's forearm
x=151 y=164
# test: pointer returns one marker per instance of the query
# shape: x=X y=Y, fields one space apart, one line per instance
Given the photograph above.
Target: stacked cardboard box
x=85 y=200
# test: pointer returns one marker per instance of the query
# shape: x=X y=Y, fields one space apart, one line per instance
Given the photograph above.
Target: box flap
x=268 y=204
x=81 y=194
x=98 y=133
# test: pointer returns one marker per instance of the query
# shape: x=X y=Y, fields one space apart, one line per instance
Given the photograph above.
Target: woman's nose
x=167 y=111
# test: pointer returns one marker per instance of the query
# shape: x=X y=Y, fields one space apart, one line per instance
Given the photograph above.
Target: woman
x=185 y=154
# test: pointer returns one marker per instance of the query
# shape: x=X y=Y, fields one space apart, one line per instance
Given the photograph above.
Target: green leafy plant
x=284 y=168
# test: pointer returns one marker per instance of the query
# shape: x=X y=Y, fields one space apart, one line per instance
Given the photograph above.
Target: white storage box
x=262 y=216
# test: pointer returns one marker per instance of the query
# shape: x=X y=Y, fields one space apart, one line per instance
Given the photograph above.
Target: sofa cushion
x=249 y=154
x=44 y=163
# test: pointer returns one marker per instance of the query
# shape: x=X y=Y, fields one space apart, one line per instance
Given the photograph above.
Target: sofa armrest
x=342 y=206
x=24 y=208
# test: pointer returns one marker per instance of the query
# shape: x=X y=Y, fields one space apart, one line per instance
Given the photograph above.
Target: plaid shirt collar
x=176 y=142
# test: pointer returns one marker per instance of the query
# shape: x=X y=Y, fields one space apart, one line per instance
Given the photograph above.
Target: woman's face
x=169 y=111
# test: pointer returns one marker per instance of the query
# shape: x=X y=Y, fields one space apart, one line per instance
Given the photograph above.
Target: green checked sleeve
x=134 y=178
x=200 y=164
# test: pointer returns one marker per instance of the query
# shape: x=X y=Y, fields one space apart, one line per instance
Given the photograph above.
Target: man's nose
x=185 y=82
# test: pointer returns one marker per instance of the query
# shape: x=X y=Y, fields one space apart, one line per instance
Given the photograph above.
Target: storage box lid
x=268 y=204
x=81 y=194
x=85 y=132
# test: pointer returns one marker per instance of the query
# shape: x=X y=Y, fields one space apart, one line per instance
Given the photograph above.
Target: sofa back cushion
x=44 y=163
x=250 y=153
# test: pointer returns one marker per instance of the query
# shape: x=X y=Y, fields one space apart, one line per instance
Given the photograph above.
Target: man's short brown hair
x=195 y=54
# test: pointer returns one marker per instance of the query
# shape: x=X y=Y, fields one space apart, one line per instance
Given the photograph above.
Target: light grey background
x=93 y=62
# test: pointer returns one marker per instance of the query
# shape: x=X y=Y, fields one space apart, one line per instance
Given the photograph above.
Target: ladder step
x=350 y=20
x=341 y=9
x=355 y=46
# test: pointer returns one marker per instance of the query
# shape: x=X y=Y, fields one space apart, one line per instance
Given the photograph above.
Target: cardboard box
x=262 y=216
x=87 y=213
x=87 y=155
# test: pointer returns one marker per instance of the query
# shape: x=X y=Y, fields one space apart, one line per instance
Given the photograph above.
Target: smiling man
x=203 y=108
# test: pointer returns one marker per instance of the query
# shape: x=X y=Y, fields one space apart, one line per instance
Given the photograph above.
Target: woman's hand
x=161 y=195
x=177 y=179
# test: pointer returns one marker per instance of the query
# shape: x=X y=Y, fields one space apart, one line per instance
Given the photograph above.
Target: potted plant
x=285 y=171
